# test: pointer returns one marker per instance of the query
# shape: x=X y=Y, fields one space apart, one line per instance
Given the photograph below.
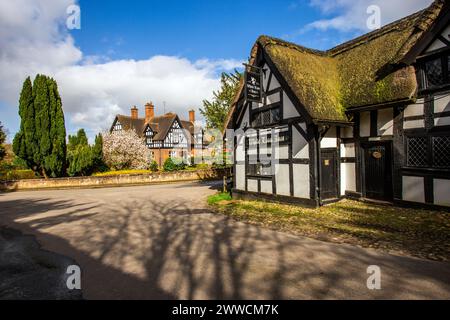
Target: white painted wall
x=348 y=177
x=300 y=147
x=266 y=186
x=441 y=192
x=273 y=98
x=281 y=152
x=274 y=84
x=347 y=150
x=412 y=124
x=240 y=147
x=282 y=179
x=413 y=189
x=252 y=185
x=385 y=122
x=240 y=177
x=364 y=123
x=289 y=110
x=347 y=132
x=301 y=180
x=416 y=109
x=442 y=103
x=438 y=44
x=330 y=140
x=442 y=121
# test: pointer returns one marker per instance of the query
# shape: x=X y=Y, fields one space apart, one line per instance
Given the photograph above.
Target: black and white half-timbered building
x=367 y=119
x=167 y=136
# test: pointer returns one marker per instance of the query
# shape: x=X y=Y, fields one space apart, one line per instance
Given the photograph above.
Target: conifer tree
x=41 y=140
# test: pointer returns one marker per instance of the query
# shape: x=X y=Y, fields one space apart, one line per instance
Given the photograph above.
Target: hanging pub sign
x=253 y=83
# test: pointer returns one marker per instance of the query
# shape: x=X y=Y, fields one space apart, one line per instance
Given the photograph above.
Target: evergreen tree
x=25 y=144
x=79 y=155
x=2 y=141
x=55 y=162
x=97 y=154
x=41 y=140
x=216 y=111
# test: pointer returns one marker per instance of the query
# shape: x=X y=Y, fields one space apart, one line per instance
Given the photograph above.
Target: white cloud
x=94 y=93
x=33 y=39
x=351 y=15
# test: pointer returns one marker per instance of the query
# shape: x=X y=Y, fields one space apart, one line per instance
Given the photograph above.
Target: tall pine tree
x=41 y=140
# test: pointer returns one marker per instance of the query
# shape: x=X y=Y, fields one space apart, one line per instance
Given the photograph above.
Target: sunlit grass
x=216 y=198
x=416 y=232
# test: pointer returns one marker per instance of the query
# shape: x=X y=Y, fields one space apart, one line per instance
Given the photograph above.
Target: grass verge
x=420 y=233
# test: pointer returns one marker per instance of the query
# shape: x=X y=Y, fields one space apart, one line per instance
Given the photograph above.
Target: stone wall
x=136 y=179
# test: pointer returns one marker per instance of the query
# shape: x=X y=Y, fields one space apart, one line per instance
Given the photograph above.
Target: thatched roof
x=365 y=71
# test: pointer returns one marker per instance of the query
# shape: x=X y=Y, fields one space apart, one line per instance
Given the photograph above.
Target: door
x=328 y=174
x=378 y=171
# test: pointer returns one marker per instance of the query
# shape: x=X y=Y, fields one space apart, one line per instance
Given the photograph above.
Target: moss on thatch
x=363 y=71
x=312 y=77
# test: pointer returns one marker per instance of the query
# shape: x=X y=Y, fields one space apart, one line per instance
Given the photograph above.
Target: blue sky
x=168 y=52
x=193 y=29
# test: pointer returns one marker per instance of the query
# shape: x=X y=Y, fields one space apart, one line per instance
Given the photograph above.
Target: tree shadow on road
x=167 y=250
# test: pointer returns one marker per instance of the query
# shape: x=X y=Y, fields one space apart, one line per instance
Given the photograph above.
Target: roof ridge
x=350 y=44
x=265 y=40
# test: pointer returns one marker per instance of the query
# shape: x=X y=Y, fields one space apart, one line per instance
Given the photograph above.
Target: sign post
x=253 y=83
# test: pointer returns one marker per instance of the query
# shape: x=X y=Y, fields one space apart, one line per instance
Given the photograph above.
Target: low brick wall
x=89 y=182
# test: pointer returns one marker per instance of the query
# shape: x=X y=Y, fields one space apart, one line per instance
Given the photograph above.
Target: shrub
x=174 y=164
x=154 y=166
x=17 y=175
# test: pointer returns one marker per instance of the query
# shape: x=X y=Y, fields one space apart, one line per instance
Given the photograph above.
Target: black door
x=328 y=174
x=378 y=171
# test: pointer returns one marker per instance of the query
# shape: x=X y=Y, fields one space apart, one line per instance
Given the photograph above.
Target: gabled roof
x=130 y=123
x=368 y=70
x=160 y=125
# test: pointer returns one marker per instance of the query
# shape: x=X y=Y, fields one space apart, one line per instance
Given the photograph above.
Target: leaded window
x=441 y=152
x=266 y=117
x=434 y=72
x=428 y=151
x=417 y=152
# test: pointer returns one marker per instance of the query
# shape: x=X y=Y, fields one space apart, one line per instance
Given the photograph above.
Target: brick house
x=166 y=135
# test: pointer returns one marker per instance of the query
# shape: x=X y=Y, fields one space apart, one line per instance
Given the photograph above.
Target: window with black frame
x=434 y=72
x=266 y=117
x=418 y=153
x=262 y=169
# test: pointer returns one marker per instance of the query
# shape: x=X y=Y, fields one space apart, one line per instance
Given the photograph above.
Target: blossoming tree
x=125 y=150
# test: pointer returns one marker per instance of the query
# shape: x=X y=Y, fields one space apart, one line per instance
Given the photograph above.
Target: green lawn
x=420 y=233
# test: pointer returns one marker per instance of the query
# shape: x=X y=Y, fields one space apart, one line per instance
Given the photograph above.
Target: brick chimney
x=192 y=115
x=149 y=112
x=134 y=112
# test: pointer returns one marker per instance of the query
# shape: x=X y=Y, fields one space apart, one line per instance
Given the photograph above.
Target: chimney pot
x=134 y=112
x=192 y=115
x=149 y=112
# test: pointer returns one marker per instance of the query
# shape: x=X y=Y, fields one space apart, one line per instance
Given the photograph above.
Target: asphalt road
x=162 y=242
